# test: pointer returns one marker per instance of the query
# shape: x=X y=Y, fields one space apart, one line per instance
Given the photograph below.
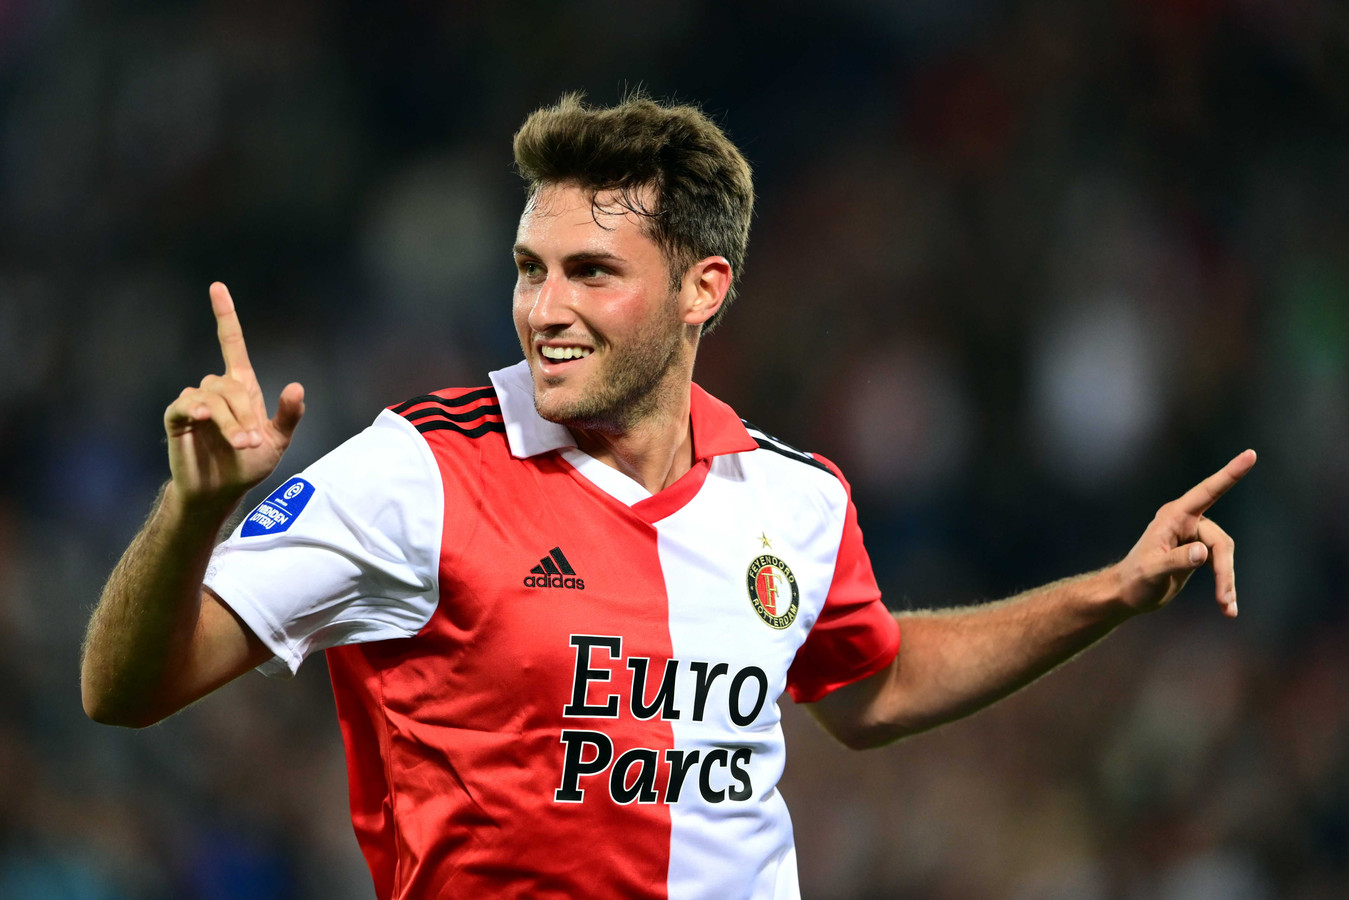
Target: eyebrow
x=578 y=256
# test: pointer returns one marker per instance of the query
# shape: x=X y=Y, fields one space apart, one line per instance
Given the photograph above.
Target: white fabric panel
x=742 y=849
x=359 y=563
x=527 y=433
x=623 y=488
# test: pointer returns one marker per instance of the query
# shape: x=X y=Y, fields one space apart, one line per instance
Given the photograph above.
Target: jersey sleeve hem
x=288 y=655
x=285 y=661
x=884 y=652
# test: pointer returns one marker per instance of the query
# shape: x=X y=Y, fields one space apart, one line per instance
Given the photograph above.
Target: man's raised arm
x=952 y=663
x=157 y=641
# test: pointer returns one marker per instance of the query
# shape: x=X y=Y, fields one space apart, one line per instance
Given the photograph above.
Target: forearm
x=141 y=633
x=953 y=663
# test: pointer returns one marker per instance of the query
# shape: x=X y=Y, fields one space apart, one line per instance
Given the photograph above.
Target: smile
x=565 y=352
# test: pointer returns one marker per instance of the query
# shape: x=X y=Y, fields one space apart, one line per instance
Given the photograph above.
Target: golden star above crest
x=766 y=542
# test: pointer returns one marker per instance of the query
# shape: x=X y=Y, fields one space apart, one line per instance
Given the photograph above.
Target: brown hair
x=703 y=191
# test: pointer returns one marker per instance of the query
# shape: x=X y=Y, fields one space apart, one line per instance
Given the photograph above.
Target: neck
x=655 y=452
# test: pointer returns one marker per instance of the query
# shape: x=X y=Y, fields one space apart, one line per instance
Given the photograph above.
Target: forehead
x=563 y=217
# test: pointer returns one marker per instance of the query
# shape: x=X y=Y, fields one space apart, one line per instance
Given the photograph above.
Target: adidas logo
x=553 y=571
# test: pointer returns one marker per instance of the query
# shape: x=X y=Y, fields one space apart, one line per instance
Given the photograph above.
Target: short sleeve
x=347 y=551
x=855 y=635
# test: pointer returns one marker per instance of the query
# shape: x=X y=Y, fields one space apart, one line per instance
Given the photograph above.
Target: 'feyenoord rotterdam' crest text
x=773 y=590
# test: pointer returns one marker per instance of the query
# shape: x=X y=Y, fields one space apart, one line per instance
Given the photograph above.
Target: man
x=559 y=610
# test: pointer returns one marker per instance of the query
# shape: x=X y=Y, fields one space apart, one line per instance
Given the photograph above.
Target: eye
x=529 y=268
x=593 y=271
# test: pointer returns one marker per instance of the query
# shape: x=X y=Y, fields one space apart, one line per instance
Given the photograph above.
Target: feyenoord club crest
x=773 y=591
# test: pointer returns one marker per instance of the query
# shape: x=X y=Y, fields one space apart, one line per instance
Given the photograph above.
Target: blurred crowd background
x=1026 y=270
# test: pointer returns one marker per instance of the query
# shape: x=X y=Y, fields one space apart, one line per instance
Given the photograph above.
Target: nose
x=552 y=308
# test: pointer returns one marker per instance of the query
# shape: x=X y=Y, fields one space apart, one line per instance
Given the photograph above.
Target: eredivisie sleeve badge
x=770 y=584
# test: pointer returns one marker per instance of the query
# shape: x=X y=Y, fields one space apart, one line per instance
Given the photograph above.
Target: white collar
x=716 y=428
x=528 y=433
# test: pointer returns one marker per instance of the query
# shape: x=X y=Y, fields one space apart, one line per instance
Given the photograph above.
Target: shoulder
x=469 y=412
x=803 y=479
x=792 y=454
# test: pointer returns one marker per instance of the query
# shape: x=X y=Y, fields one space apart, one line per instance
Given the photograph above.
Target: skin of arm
x=157 y=641
x=953 y=663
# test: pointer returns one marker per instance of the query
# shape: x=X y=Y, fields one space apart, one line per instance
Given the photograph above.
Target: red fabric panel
x=365 y=736
x=855 y=635
x=454 y=737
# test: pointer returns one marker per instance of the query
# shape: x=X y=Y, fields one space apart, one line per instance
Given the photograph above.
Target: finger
x=230 y=332
x=185 y=410
x=1185 y=559
x=1199 y=498
x=1224 y=563
x=240 y=402
x=289 y=409
x=201 y=406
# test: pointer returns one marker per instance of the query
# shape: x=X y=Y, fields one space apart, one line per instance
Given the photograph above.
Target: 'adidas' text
x=554 y=571
x=554 y=581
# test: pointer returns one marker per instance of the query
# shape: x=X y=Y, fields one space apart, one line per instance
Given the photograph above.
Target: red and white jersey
x=550 y=682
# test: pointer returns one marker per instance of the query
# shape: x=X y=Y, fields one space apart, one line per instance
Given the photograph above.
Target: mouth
x=556 y=358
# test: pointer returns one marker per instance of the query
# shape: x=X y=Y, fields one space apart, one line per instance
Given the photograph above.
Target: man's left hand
x=1179 y=540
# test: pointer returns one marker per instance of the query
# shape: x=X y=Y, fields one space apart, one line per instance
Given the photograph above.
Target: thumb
x=289 y=409
x=1187 y=557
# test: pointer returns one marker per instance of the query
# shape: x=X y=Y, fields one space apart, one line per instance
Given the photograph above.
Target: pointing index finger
x=1199 y=498
x=229 y=331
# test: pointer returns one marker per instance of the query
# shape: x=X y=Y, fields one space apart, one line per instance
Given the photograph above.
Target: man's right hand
x=221 y=442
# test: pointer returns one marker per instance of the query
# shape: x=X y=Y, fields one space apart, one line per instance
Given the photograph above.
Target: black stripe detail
x=556 y=553
x=548 y=566
x=537 y=570
x=462 y=400
x=476 y=412
x=792 y=454
x=767 y=442
x=442 y=425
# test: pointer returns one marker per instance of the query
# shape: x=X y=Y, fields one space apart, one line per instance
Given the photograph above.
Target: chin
x=553 y=412
x=580 y=414
x=561 y=398
x=554 y=408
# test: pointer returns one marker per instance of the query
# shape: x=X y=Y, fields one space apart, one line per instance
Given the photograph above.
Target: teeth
x=565 y=352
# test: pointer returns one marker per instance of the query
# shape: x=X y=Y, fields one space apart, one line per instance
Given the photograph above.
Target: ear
x=704 y=289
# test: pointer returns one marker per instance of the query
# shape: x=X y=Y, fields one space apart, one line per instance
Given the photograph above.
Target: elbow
x=99 y=710
x=104 y=710
x=867 y=741
x=100 y=714
x=856 y=741
x=108 y=715
x=873 y=739
x=881 y=725
x=869 y=735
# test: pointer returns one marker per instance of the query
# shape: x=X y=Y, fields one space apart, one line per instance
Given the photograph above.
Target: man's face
x=595 y=312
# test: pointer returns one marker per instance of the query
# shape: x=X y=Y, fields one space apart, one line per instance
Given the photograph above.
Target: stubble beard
x=632 y=385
